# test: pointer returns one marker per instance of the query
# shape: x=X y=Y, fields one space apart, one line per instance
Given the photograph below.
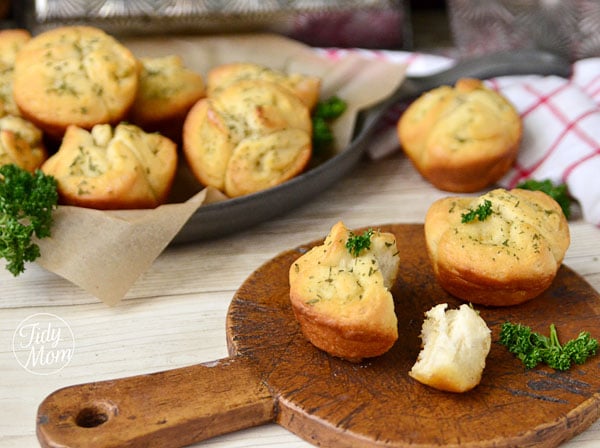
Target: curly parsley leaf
x=481 y=212
x=356 y=243
x=27 y=201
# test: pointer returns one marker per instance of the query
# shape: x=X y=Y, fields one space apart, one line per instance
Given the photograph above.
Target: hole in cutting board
x=93 y=416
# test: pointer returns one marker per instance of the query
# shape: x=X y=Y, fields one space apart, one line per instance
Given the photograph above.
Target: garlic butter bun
x=306 y=87
x=120 y=168
x=167 y=90
x=248 y=137
x=11 y=42
x=21 y=143
x=509 y=257
x=74 y=75
x=341 y=300
x=455 y=345
x=462 y=138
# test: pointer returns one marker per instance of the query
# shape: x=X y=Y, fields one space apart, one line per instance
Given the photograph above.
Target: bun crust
x=250 y=136
x=306 y=87
x=74 y=75
x=461 y=139
x=510 y=257
x=124 y=168
x=11 y=42
x=21 y=143
x=455 y=345
x=342 y=301
x=167 y=91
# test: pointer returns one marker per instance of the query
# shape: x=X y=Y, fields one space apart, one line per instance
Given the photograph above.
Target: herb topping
x=356 y=243
x=481 y=212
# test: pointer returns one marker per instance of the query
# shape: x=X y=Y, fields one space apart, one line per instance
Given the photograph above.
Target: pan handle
x=167 y=409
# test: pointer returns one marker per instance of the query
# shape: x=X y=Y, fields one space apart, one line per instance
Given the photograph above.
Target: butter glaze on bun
x=120 y=168
x=463 y=138
x=509 y=257
x=306 y=87
x=11 y=42
x=167 y=91
x=21 y=143
x=342 y=301
x=248 y=137
x=74 y=75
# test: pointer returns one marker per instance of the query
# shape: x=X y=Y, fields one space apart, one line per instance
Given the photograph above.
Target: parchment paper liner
x=104 y=252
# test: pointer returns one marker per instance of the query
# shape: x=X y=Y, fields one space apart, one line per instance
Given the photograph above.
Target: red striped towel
x=561 y=140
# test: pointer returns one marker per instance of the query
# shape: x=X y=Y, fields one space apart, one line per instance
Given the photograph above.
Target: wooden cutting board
x=274 y=374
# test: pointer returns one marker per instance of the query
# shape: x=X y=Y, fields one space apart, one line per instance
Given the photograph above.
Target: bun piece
x=341 y=300
x=306 y=87
x=250 y=136
x=124 y=168
x=11 y=42
x=461 y=139
x=507 y=258
x=74 y=75
x=167 y=90
x=21 y=143
x=455 y=345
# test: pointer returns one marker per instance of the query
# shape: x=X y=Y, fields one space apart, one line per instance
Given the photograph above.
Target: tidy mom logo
x=43 y=344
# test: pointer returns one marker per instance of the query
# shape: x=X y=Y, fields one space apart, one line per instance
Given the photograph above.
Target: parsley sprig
x=324 y=114
x=557 y=192
x=27 y=201
x=356 y=243
x=533 y=348
x=481 y=212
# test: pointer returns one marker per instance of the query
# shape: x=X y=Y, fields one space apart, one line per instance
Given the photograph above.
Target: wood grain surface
x=274 y=374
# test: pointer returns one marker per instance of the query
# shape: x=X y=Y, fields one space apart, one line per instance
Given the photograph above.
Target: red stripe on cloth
x=543 y=98
x=578 y=163
x=590 y=87
x=334 y=53
x=584 y=136
x=412 y=57
x=523 y=173
x=493 y=84
x=595 y=93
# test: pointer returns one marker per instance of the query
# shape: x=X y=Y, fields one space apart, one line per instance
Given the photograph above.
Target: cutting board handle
x=168 y=409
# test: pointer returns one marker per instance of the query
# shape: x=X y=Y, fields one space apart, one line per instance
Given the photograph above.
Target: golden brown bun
x=342 y=301
x=167 y=90
x=250 y=136
x=461 y=139
x=124 y=168
x=11 y=42
x=74 y=75
x=21 y=143
x=508 y=258
x=306 y=87
x=455 y=345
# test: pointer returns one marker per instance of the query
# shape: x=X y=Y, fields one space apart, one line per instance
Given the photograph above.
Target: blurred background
x=458 y=28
